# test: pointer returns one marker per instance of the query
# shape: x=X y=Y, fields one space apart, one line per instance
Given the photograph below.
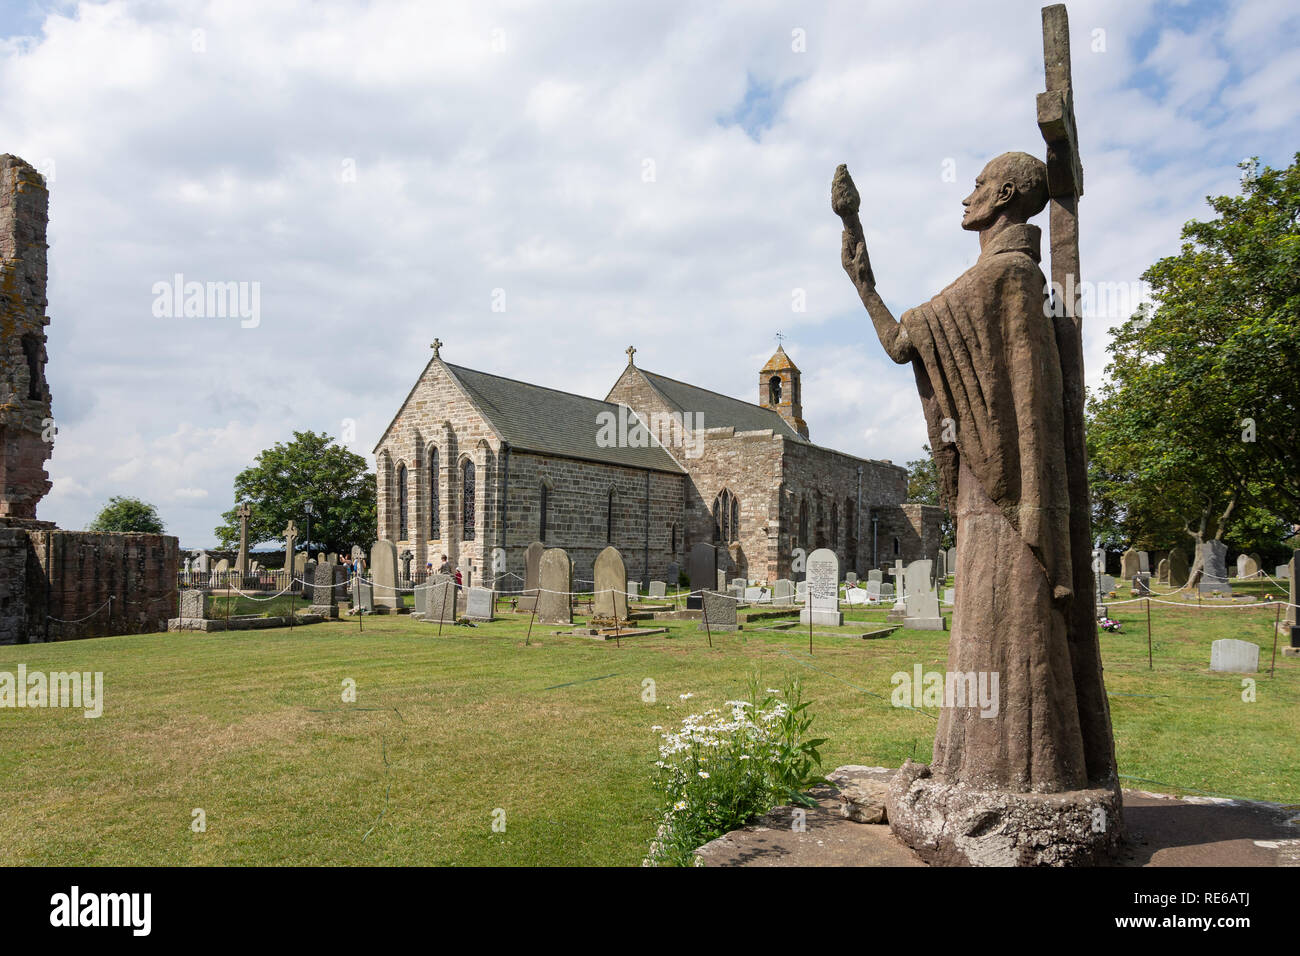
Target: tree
x=1196 y=429
x=128 y=515
x=923 y=487
x=285 y=478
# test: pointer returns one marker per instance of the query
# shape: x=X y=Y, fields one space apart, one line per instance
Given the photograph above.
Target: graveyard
x=446 y=729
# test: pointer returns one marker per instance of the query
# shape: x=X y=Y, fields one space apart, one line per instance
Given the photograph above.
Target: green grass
x=251 y=727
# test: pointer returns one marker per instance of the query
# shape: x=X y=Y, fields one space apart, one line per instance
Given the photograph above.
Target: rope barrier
x=87 y=617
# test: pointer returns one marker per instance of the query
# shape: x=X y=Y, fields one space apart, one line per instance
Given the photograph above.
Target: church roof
x=550 y=422
x=720 y=411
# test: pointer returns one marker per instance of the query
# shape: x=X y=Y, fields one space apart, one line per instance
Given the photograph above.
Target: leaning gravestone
x=658 y=589
x=383 y=574
x=555 y=581
x=1247 y=567
x=873 y=592
x=703 y=572
x=1234 y=657
x=1129 y=565
x=783 y=591
x=1162 y=571
x=440 y=600
x=480 y=604
x=922 y=601
x=363 y=595
x=823 y=575
x=1178 y=568
x=532 y=565
x=1214 y=567
x=609 y=597
x=719 y=613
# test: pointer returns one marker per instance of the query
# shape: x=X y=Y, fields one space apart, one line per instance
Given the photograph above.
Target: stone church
x=478 y=466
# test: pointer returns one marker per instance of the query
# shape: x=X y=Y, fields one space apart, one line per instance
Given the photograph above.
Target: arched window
x=435 y=503
x=401 y=502
x=544 y=495
x=819 y=532
x=467 y=500
x=897 y=549
x=609 y=518
x=726 y=517
x=835 y=525
x=774 y=390
x=673 y=550
x=803 y=523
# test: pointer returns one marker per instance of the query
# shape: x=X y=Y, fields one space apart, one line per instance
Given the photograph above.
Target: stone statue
x=1033 y=779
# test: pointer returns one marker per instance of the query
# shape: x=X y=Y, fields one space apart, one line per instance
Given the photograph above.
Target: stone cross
x=631 y=351
x=241 y=563
x=290 y=533
x=436 y=346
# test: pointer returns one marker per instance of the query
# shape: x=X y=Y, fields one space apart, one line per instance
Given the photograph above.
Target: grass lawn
x=251 y=727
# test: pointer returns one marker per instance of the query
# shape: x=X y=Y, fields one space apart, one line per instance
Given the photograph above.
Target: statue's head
x=1012 y=186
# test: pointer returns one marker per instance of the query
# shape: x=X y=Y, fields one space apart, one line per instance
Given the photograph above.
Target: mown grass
x=251 y=727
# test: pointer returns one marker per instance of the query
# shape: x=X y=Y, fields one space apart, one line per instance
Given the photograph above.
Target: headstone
x=851 y=577
x=722 y=580
x=324 y=593
x=674 y=573
x=555 y=581
x=194 y=604
x=437 y=601
x=755 y=595
x=855 y=596
x=358 y=553
x=952 y=561
x=223 y=566
x=609 y=588
x=949 y=596
x=1141 y=586
x=383 y=574
x=1129 y=565
x=1107 y=584
x=480 y=604
x=1281 y=572
x=703 y=572
x=243 y=512
x=1162 y=571
x=783 y=592
x=1214 y=568
x=300 y=564
x=1144 y=562
x=1247 y=567
x=320 y=557
x=739 y=583
x=801 y=591
x=719 y=613
x=363 y=594
x=1292 y=601
x=875 y=574
x=658 y=589
x=823 y=575
x=203 y=562
x=873 y=592
x=633 y=590
x=1177 y=568
x=1234 y=657
x=290 y=534
x=736 y=593
x=532 y=565
x=887 y=590
x=922 y=600
x=941 y=567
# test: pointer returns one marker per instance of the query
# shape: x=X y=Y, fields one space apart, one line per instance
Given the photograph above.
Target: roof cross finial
x=631 y=351
x=436 y=346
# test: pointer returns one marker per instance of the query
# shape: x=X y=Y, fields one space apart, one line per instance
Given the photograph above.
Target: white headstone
x=1234 y=657
x=823 y=589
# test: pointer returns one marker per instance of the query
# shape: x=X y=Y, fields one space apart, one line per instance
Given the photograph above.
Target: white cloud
x=523 y=170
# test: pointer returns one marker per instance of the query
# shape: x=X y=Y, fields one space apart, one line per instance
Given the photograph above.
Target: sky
x=540 y=186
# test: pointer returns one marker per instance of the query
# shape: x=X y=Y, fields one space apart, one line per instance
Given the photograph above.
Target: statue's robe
x=988 y=370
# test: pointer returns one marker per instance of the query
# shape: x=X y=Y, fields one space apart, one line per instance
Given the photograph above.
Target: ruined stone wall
x=13 y=585
x=70 y=576
x=908 y=532
x=26 y=434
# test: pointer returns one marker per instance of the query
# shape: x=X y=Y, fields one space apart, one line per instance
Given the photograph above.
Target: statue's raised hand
x=853 y=254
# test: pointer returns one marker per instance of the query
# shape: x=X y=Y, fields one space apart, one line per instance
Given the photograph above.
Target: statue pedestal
x=951 y=824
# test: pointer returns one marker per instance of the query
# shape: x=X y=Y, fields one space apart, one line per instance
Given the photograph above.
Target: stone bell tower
x=779 y=390
x=26 y=427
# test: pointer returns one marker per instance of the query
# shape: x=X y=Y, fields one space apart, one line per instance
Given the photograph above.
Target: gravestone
x=437 y=602
x=873 y=592
x=358 y=553
x=736 y=593
x=801 y=591
x=887 y=591
x=1281 y=572
x=363 y=594
x=1129 y=565
x=949 y=596
x=722 y=580
x=719 y=613
x=610 y=598
x=480 y=604
x=194 y=605
x=1292 y=601
x=783 y=592
x=875 y=574
x=855 y=596
x=922 y=602
x=300 y=564
x=324 y=593
x=739 y=583
x=851 y=577
x=952 y=561
x=1141 y=585
x=1178 y=568
x=1098 y=569
x=203 y=562
x=633 y=590
x=703 y=572
x=658 y=589
x=532 y=570
x=674 y=573
x=290 y=534
x=223 y=566
x=383 y=574
x=1214 y=568
x=1107 y=584
x=554 y=581
x=756 y=595
x=1162 y=572
x=1234 y=657
x=823 y=576
x=1247 y=567
x=1144 y=562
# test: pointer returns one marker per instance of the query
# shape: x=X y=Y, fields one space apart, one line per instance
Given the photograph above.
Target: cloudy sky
x=653 y=174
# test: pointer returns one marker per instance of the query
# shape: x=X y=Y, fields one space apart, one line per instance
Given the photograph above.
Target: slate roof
x=550 y=422
x=720 y=411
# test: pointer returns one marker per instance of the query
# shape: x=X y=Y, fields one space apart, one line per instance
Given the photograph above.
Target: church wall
x=577 y=503
x=913 y=528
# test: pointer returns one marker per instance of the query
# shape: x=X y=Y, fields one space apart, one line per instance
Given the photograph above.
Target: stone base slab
x=925 y=623
x=824 y=618
x=956 y=825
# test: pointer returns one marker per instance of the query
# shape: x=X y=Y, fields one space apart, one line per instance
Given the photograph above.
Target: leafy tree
x=923 y=487
x=1196 y=429
x=123 y=515
x=309 y=469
